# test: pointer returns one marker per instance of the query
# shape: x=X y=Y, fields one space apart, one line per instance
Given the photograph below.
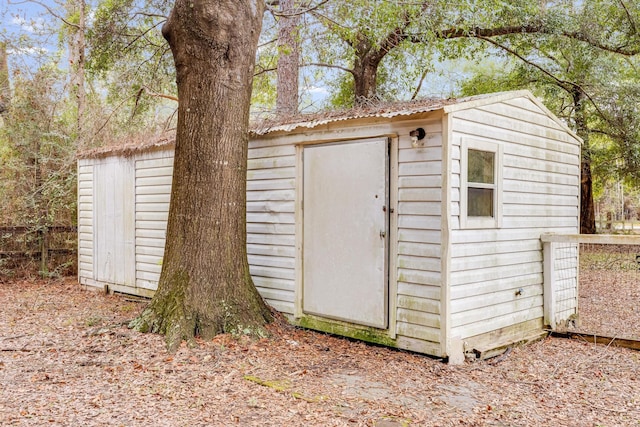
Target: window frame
x=471 y=222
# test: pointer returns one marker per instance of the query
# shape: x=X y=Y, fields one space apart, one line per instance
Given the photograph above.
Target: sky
x=26 y=26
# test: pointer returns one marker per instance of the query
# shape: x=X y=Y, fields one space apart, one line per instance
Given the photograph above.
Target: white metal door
x=345 y=193
x=114 y=224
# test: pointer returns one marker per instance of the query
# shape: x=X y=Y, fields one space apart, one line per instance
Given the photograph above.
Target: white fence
x=598 y=271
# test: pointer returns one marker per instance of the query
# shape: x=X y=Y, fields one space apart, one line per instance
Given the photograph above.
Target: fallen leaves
x=92 y=371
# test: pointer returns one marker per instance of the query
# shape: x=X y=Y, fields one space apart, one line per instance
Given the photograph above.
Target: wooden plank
x=287 y=183
x=486 y=123
x=271 y=217
x=152 y=198
x=498 y=322
x=419 y=249
x=419 y=195
x=431 y=292
x=270 y=282
x=154 y=234
x=419 y=236
x=273 y=272
x=495 y=247
x=271 y=261
x=504 y=296
x=155 y=162
x=269 y=239
x=419 y=304
x=420 y=222
x=153 y=189
x=271 y=206
x=149 y=250
x=164 y=171
x=420 y=208
x=418 y=318
x=525 y=210
x=271 y=162
x=284 y=195
x=275 y=294
x=482 y=262
x=515 y=136
x=428 y=181
x=631 y=343
x=148 y=268
x=494 y=311
x=420 y=168
x=152 y=242
x=488 y=287
x=151 y=225
x=603 y=239
x=419 y=263
x=419 y=277
x=465 y=276
x=542 y=223
x=278 y=173
x=273 y=151
x=420 y=332
x=271 y=250
x=432 y=348
x=152 y=216
x=270 y=228
x=152 y=207
x=152 y=181
x=425 y=154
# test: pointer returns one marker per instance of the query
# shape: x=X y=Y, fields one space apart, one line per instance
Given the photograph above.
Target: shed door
x=114 y=221
x=345 y=193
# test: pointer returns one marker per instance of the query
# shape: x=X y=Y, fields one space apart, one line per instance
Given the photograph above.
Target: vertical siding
x=85 y=221
x=496 y=278
x=153 y=191
x=418 y=264
x=114 y=232
x=271 y=222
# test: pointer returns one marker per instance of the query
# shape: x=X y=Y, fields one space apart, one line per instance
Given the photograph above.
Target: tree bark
x=288 y=60
x=587 y=206
x=205 y=287
x=77 y=47
x=5 y=88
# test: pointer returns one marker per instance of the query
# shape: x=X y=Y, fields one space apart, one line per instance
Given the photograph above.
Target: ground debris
x=69 y=359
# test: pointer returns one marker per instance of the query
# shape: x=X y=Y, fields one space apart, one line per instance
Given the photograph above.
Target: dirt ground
x=67 y=359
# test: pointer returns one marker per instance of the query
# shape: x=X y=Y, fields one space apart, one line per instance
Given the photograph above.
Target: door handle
x=383 y=234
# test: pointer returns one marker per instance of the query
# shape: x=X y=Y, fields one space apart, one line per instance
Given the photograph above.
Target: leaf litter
x=67 y=358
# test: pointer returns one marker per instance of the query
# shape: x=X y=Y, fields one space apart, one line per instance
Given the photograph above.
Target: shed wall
x=496 y=273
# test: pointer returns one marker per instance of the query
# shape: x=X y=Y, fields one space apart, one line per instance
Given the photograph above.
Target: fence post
x=44 y=250
x=549 y=278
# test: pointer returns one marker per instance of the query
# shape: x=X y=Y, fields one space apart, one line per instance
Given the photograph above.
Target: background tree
x=205 y=287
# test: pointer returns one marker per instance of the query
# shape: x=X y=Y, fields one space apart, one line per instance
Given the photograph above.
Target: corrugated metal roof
x=310 y=121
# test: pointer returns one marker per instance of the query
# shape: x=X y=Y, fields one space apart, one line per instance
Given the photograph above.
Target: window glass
x=480 y=202
x=480 y=166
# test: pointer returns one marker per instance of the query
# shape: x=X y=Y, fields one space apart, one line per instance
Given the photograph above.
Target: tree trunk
x=5 y=88
x=587 y=206
x=205 y=287
x=288 y=60
x=365 y=73
x=77 y=47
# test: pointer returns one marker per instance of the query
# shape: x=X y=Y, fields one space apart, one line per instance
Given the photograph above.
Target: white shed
x=416 y=226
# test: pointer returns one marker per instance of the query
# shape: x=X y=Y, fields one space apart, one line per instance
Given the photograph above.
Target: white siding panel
x=271 y=223
x=154 y=173
x=539 y=194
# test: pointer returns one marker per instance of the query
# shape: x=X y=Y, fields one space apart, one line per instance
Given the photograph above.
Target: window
x=480 y=199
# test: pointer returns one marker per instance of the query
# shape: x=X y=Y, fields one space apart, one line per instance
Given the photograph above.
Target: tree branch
x=320 y=64
x=49 y=10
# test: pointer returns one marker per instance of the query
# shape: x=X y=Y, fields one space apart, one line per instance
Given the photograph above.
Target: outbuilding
x=414 y=225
